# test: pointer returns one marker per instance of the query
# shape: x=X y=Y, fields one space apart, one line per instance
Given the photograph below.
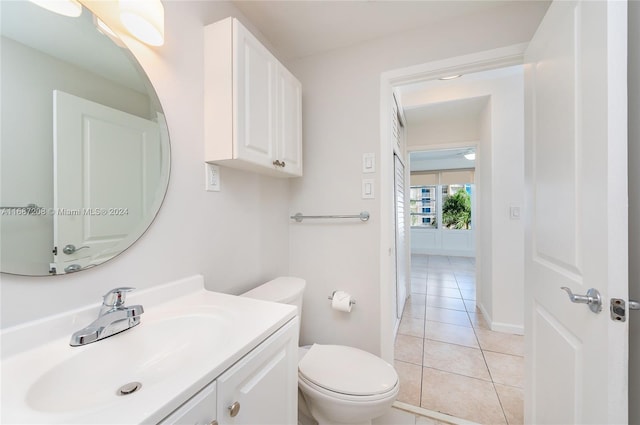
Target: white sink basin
x=187 y=337
x=150 y=353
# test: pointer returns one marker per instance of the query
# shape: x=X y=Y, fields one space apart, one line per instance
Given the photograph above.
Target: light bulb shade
x=69 y=8
x=470 y=156
x=144 y=19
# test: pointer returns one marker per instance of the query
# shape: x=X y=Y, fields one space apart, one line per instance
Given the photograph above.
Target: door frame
x=475 y=62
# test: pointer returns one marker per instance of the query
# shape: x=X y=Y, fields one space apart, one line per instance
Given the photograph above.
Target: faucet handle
x=116 y=297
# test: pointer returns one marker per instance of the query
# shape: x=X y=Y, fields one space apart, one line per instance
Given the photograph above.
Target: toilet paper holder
x=351 y=302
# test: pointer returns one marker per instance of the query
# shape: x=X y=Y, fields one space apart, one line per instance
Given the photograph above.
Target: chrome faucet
x=113 y=318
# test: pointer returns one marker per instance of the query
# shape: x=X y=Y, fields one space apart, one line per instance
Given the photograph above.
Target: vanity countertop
x=188 y=336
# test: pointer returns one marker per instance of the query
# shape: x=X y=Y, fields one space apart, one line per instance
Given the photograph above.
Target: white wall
x=634 y=207
x=500 y=184
x=341 y=104
x=442 y=130
x=236 y=238
x=28 y=80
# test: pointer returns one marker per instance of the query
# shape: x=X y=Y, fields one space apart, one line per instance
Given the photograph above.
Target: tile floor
x=448 y=359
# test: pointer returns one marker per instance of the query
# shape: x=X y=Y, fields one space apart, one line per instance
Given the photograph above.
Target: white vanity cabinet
x=260 y=388
x=253 y=104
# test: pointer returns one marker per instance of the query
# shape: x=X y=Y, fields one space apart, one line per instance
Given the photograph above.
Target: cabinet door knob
x=283 y=164
x=213 y=422
x=277 y=163
x=234 y=409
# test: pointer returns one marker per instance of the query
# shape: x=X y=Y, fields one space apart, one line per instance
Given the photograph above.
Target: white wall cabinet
x=262 y=387
x=253 y=104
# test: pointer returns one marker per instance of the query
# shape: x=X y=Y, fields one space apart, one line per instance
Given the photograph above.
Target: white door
x=401 y=239
x=106 y=169
x=254 y=99
x=576 y=233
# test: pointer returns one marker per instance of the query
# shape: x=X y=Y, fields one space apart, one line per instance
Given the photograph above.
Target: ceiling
x=467 y=109
x=303 y=28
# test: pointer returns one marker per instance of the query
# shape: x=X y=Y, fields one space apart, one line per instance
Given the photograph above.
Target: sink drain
x=129 y=388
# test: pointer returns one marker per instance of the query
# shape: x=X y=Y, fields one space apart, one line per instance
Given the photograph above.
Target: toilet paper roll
x=341 y=301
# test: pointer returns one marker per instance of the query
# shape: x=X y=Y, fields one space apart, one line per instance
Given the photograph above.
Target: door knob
x=592 y=299
x=70 y=249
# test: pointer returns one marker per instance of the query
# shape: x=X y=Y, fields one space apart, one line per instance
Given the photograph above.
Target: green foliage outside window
x=456 y=211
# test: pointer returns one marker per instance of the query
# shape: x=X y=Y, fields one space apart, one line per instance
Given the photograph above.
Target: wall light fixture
x=71 y=8
x=144 y=19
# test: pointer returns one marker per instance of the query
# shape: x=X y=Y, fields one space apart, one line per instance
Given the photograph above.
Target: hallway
x=447 y=357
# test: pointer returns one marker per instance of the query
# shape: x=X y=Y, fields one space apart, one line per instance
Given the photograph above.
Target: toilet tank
x=284 y=289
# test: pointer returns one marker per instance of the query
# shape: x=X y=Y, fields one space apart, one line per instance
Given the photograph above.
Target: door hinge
x=55 y=250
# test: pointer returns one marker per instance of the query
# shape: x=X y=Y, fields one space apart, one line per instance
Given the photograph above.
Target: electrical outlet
x=212 y=177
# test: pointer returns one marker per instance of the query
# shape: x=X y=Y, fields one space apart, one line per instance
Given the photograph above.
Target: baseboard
x=432 y=414
x=452 y=253
x=500 y=327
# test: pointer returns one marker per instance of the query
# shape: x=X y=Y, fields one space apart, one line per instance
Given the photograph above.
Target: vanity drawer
x=199 y=410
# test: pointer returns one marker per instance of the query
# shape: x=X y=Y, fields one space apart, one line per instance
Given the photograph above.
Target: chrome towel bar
x=363 y=216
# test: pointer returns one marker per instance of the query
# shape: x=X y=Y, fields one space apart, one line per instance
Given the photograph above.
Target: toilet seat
x=347 y=373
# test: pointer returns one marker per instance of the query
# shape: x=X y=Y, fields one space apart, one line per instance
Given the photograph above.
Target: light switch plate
x=212 y=177
x=369 y=163
x=514 y=212
x=367 y=189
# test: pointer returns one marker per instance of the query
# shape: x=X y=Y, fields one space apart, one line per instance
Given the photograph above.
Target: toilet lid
x=347 y=370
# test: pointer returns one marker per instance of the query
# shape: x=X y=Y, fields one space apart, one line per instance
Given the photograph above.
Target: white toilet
x=340 y=384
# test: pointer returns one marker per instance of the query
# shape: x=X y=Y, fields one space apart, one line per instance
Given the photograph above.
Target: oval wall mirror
x=84 y=146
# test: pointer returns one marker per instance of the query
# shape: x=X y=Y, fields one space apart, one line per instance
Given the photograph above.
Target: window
x=453 y=210
x=422 y=201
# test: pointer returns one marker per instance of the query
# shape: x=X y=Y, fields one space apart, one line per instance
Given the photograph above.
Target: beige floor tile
x=505 y=368
x=417 y=312
x=441 y=275
x=445 y=315
x=409 y=349
x=512 y=400
x=444 y=302
x=456 y=359
x=418 y=287
x=467 y=294
x=470 y=306
x=478 y=320
x=418 y=279
x=445 y=332
x=468 y=286
x=500 y=342
x=410 y=382
x=461 y=396
x=419 y=274
x=412 y=326
x=416 y=299
x=431 y=282
x=439 y=291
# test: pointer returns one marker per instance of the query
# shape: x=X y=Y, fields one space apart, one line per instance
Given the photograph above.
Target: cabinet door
x=254 y=99
x=262 y=388
x=199 y=410
x=289 y=133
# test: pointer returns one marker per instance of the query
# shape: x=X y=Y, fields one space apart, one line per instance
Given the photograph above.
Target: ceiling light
x=144 y=19
x=450 y=77
x=69 y=8
x=470 y=156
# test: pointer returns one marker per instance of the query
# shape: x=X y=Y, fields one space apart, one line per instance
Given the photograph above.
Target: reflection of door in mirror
x=42 y=52
x=106 y=171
